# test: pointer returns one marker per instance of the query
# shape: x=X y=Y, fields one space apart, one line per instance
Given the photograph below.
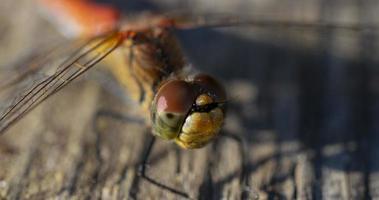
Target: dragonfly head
x=189 y=112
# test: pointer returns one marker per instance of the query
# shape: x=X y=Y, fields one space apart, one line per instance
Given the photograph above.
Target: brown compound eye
x=176 y=96
x=170 y=107
x=211 y=86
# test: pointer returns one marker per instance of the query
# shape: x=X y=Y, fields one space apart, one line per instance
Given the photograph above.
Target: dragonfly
x=144 y=56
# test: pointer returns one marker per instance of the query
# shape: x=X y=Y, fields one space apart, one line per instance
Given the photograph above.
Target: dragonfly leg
x=244 y=179
x=146 y=154
x=143 y=175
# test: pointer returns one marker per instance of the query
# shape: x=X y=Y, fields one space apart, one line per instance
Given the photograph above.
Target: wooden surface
x=305 y=103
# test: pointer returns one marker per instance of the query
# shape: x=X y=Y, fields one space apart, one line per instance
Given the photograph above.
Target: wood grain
x=305 y=103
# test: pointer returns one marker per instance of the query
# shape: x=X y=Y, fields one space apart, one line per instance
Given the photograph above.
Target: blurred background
x=304 y=100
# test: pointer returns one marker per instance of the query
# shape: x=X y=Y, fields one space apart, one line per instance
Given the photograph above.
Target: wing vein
x=69 y=70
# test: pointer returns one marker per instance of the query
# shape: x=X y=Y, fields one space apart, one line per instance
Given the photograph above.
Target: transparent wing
x=36 y=62
x=40 y=87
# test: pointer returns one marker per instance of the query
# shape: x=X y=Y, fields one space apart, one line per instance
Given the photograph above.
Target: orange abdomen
x=82 y=18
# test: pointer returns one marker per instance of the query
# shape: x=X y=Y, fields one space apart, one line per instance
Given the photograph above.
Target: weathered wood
x=305 y=103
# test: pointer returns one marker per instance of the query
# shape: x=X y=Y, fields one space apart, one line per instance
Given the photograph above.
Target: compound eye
x=170 y=108
x=211 y=86
x=175 y=97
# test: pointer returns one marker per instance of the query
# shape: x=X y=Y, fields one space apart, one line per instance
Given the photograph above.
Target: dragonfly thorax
x=189 y=112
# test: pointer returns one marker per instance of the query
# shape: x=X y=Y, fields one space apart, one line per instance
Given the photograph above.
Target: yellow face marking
x=203 y=99
x=199 y=128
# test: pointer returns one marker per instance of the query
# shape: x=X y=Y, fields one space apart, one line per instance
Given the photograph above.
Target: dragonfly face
x=189 y=112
